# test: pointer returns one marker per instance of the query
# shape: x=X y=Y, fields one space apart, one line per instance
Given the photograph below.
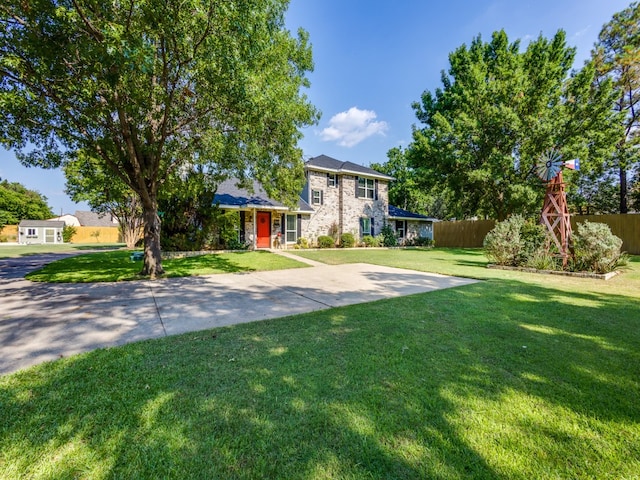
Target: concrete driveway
x=40 y=322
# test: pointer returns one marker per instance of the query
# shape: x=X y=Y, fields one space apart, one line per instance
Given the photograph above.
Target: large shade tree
x=149 y=87
x=499 y=108
x=617 y=57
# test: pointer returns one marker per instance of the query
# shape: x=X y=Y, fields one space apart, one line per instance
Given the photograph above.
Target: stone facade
x=333 y=197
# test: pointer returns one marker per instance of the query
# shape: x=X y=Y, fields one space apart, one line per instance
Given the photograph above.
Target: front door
x=264 y=229
x=49 y=235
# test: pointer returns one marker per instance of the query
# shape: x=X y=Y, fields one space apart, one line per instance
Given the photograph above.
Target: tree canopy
x=499 y=108
x=617 y=57
x=19 y=203
x=150 y=87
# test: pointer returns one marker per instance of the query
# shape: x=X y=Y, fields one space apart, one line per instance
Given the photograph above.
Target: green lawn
x=116 y=266
x=13 y=251
x=521 y=376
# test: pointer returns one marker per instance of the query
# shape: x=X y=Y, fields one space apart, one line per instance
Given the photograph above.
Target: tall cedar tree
x=498 y=110
x=617 y=57
x=149 y=87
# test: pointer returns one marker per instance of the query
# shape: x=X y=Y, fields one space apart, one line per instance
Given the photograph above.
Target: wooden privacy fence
x=9 y=233
x=462 y=234
x=471 y=233
x=97 y=235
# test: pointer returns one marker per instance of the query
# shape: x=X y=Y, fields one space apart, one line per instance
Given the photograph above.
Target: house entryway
x=263 y=220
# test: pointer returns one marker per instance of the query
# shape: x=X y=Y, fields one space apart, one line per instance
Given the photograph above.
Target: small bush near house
x=370 y=241
x=235 y=244
x=596 y=249
x=347 y=240
x=420 y=242
x=68 y=231
x=303 y=243
x=325 y=241
x=334 y=230
x=389 y=238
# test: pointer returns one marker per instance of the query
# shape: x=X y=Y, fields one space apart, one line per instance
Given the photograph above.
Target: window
x=31 y=232
x=291 y=231
x=365 y=222
x=316 y=197
x=332 y=180
x=366 y=188
x=400 y=228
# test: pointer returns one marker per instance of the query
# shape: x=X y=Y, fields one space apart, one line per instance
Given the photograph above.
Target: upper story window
x=332 y=180
x=316 y=197
x=366 y=188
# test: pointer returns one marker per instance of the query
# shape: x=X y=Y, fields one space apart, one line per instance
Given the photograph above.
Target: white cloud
x=352 y=127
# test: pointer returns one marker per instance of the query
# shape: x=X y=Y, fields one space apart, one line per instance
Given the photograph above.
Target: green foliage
x=420 y=242
x=498 y=110
x=19 y=203
x=68 y=231
x=371 y=241
x=596 y=249
x=325 y=241
x=303 y=243
x=389 y=238
x=503 y=245
x=616 y=56
x=152 y=89
x=347 y=240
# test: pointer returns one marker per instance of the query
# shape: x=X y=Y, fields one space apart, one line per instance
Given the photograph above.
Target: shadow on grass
x=402 y=388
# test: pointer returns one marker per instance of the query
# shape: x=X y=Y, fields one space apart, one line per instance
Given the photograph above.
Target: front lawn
x=14 y=251
x=521 y=376
x=116 y=266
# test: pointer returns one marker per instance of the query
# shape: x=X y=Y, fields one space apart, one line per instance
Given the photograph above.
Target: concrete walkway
x=40 y=322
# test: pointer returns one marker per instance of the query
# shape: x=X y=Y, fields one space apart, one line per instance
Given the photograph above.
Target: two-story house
x=337 y=197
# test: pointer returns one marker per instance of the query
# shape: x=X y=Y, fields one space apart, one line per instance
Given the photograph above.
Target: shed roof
x=42 y=223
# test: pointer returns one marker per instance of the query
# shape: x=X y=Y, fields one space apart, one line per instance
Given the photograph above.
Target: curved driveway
x=40 y=321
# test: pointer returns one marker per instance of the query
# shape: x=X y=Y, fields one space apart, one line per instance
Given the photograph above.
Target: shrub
x=347 y=240
x=389 y=238
x=421 y=242
x=68 y=231
x=370 y=241
x=596 y=249
x=302 y=243
x=503 y=245
x=235 y=244
x=334 y=229
x=325 y=241
x=535 y=242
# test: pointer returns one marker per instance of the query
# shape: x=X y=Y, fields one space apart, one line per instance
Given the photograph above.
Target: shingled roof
x=402 y=214
x=324 y=163
x=93 y=219
x=229 y=194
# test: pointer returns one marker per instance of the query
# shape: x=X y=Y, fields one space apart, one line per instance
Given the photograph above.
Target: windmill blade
x=549 y=165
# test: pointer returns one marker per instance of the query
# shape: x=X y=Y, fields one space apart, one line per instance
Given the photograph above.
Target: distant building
x=40 y=231
x=87 y=219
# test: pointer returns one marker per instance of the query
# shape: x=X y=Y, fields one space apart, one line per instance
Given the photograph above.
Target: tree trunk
x=623 y=190
x=152 y=253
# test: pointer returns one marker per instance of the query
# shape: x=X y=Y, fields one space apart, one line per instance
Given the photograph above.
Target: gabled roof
x=229 y=194
x=402 y=214
x=41 y=223
x=93 y=219
x=323 y=163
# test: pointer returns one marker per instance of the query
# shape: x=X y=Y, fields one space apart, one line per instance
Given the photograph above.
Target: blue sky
x=374 y=58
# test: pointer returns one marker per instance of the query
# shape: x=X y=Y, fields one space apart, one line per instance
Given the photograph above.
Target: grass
x=521 y=376
x=116 y=266
x=14 y=251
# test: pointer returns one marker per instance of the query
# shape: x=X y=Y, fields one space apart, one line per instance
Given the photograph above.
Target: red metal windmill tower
x=555 y=213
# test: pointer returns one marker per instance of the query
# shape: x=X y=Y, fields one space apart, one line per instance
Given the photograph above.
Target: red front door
x=264 y=229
